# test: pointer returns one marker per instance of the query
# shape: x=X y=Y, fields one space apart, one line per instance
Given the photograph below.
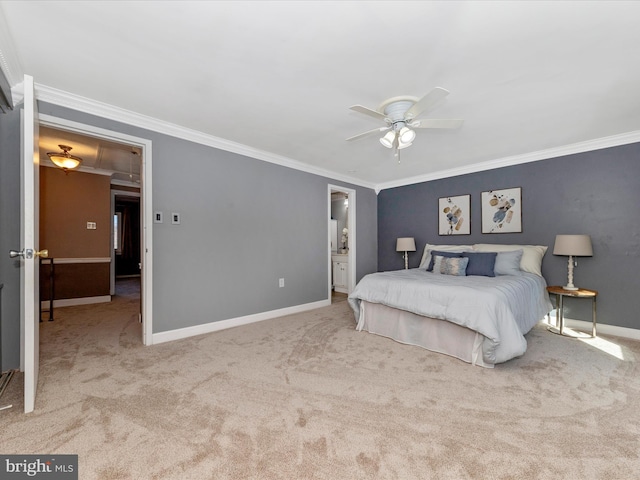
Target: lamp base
x=570 y=287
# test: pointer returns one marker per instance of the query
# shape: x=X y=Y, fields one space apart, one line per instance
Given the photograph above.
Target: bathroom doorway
x=341 y=243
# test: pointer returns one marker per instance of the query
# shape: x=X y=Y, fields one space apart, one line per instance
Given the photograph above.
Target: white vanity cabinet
x=340 y=273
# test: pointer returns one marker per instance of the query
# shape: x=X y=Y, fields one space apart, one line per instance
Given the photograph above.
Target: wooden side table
x=560 y=293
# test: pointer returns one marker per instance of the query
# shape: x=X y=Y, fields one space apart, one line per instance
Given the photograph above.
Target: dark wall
x=595 y=193
x=74 y=280
x=10 y=237
x=128 y=258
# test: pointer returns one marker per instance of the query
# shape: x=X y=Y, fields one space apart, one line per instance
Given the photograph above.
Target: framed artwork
x=502 y=211
x=454 y=215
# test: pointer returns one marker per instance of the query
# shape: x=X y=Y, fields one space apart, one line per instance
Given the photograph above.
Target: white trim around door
x=351 y=245
x=147 y=210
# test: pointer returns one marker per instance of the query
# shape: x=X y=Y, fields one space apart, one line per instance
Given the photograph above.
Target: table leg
x=561 y=314
x=593 y=329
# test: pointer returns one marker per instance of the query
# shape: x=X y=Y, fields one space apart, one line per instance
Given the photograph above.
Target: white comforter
x=503 y=308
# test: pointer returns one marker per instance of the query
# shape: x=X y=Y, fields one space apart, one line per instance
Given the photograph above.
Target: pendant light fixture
x=64 y=159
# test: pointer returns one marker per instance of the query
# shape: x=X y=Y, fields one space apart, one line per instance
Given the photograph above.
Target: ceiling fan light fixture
x=401 y=117
x=406 y=136
x=64 y=159
x=388 y=139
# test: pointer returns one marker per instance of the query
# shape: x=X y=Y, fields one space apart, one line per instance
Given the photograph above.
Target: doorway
x=341 y=242
x=138 y=193
x=126 y=248
x=126 y=241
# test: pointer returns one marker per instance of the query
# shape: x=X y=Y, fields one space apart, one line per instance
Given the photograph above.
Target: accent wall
x=595 y=193
x=67 y=202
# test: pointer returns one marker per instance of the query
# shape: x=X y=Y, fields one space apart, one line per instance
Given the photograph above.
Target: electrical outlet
x=91 y=226
x=281 y=282
x=175 y=218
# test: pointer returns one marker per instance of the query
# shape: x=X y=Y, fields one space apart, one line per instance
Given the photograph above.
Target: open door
x=29 y=219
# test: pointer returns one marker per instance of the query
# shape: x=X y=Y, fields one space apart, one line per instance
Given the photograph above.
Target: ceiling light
x=403 y=145
x=388 y=139
x=64 y=159
x=406 y=135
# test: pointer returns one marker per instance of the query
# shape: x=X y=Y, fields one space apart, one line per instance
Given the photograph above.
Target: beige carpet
x=308 y=397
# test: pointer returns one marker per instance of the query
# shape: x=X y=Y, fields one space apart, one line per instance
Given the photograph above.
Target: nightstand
x=560 y=293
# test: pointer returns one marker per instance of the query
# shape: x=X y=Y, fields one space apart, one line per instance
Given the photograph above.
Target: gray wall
x=244 y=224
x=10 y=237
x=596 y=193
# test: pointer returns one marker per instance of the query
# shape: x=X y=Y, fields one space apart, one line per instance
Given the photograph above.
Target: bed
x=480 y=317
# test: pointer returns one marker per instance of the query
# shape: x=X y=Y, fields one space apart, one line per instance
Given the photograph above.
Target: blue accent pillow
x=508 y=263
x=481 y=263
x=442 y=254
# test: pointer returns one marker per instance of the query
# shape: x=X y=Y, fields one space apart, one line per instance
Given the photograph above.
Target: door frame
x=146 y=189
x=351 y=241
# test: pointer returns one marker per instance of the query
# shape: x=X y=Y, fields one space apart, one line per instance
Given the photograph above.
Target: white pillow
x=426 y=254
x=531 y=254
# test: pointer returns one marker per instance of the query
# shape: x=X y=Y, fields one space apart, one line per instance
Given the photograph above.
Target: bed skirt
x=430 y=333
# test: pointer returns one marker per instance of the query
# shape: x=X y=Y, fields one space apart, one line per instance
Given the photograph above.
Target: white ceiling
x=121 y=162
x=279 y=77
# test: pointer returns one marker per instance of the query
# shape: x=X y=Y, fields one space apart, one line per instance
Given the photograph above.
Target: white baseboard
x=603 y=328
x=186 y=332
x=70 y=302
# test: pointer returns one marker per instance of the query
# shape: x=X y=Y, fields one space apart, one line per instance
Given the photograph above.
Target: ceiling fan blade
x=430 y=99
x=368 y=111
x=366 y=134
x=437 y=123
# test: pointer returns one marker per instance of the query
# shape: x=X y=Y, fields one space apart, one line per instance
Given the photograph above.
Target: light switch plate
x=157 y=217
x=91 y=225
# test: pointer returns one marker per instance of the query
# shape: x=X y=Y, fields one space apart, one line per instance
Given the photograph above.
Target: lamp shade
x=406 y=244
x=575 y=245
x=388 y=139
x=406 y=136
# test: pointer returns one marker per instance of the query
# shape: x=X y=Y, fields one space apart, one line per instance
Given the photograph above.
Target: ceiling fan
x=399 y=114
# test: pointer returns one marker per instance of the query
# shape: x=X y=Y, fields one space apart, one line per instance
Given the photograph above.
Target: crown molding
x=571 y=149
x=9 y=61
x=64 y=99
x=93 y=107
x=124 y=183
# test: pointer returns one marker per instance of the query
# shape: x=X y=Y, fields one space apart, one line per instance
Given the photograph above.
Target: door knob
x=28 y=253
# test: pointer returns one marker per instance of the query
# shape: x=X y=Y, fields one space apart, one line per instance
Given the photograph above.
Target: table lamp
x=406 y=245
x=574 y=246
